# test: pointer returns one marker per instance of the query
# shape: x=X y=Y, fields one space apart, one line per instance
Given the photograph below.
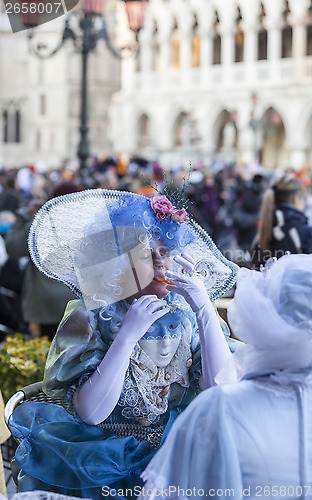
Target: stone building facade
x=40 y=99
x=224 y=79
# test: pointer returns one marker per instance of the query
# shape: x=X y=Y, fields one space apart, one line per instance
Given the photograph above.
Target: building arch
x=273 y=153
x=5 y=125
x=179 y=132
x=225 y=135
x=143 y=131
x=181 y=128
x=298 y=126
x=228 y=13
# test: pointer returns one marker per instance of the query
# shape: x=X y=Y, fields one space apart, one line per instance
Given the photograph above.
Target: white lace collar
x=146 y=387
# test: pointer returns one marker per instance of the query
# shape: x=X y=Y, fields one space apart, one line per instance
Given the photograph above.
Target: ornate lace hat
x=95 y=242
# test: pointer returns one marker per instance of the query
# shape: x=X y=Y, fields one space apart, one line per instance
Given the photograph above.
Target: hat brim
x=65 y=223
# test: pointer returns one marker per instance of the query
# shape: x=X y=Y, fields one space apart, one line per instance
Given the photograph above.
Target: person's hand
x=141 y=315
x=95 y=400
x=187 y=284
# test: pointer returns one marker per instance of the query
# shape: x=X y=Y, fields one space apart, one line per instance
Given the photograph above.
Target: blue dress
x=59 y=452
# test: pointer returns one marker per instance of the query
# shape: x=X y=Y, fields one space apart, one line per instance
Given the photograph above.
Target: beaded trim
x=153 y=436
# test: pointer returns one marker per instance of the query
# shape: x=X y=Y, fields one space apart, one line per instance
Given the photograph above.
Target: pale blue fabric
x=252 y=439
x=60 y=450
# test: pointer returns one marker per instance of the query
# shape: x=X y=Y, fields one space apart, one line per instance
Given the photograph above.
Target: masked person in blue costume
x=253 y=438
x=133 y=352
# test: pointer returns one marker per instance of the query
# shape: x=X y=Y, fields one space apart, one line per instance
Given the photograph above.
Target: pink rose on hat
x=178 y=215
x=161 y=206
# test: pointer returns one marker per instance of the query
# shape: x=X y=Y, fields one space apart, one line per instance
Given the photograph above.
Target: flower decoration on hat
x=179 y=215
x=163 y=208
x=170 y=201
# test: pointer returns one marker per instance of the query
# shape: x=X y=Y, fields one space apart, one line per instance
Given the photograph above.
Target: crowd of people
x=222 y=199
x=158 y=400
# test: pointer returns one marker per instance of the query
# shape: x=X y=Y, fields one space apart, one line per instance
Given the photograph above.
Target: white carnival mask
x=161 y=340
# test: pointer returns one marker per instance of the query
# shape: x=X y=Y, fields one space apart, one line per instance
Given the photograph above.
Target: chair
x=32 y=392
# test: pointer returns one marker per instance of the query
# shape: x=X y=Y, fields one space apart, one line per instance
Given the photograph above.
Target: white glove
x=141 y=315
x=191 y=288
x=214 y=348
x=98 y=396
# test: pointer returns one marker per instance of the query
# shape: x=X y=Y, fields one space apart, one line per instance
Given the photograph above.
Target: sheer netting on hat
x=96 y=242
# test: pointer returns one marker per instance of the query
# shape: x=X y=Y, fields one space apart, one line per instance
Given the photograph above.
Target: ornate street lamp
x=85 y=28
x=136 y=14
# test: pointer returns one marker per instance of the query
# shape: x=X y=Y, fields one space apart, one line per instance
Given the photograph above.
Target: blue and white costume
x=162 y=370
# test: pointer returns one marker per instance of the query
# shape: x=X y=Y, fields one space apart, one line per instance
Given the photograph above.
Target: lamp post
x=89 y=28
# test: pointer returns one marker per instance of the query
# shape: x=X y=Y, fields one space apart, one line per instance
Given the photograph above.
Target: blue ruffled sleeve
x=76 y=351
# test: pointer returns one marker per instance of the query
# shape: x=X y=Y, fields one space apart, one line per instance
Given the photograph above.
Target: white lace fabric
x=146 y=387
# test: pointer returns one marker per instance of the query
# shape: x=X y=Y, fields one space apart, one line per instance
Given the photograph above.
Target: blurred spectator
x=7 y=218
x=43 y=300
x=283 y=226
x=9 y=200
x=65 y=187
x=227 y=187
x=25 y=181
x=11 y=277
x=210 y=205
x=109 y=180
x=246 y=213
